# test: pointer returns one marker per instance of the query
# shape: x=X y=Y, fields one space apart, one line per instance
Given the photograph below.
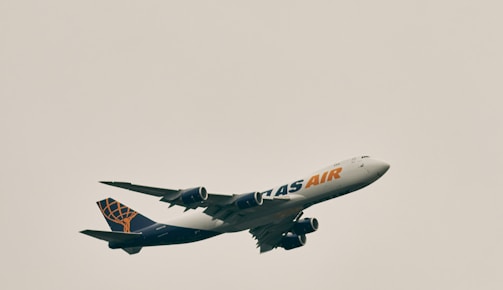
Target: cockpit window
x=366 y=156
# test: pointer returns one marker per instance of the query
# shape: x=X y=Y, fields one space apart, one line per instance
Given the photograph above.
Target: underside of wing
x=235 y=210
x=219 y=206
x=188 y=198
x=270 y=236
x=155 y=191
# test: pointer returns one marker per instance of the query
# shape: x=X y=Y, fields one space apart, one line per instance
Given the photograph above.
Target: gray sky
x=238 y=96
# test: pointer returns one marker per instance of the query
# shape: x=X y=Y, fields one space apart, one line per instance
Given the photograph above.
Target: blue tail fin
x=121 y=218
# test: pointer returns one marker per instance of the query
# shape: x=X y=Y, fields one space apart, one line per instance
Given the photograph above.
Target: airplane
x=273 y=216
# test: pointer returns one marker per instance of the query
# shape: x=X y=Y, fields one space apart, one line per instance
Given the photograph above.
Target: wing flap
x=269 y=236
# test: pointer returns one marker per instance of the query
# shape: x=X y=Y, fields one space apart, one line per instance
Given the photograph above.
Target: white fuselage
x=330 y=182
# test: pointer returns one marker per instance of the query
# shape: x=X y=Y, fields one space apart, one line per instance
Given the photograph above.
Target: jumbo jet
x=273 y=216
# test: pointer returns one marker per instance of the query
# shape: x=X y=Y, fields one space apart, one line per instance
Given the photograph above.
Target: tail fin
x=121 y=218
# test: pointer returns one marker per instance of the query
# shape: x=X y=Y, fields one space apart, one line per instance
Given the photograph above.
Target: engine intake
x=249 y=200
x=305 y=226
x=292 y=241
x=193 y=195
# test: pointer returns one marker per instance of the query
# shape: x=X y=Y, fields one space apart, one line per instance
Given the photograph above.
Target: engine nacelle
x=249 y=200
x=305 y=226
x=193 y=195
x=292 y=241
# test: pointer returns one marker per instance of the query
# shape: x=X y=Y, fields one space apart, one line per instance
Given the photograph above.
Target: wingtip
x=115 y=183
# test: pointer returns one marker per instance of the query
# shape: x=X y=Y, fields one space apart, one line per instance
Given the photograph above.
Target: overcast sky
x=241 y=96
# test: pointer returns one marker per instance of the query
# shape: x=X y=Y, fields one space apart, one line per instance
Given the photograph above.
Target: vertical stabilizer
x=121 y=218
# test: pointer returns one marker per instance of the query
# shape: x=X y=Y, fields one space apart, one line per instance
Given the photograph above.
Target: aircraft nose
x=377 y=167
x=383 y=167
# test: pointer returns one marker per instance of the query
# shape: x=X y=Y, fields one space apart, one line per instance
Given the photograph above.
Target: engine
x=292 y=241
x=305 y=226
x=193 y=195
x=249 y=200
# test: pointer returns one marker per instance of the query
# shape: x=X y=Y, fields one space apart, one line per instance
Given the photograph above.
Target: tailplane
x=112 y=237
x=126 y=225
x=121 y=218
x=117 y=239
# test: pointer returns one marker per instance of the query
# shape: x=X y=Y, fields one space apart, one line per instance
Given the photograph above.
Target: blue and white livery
x=272 y=216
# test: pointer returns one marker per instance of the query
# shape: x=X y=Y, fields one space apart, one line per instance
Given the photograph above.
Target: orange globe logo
x=114 y=211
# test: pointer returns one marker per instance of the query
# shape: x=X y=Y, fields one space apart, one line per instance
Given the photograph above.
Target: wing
x=172 y=196
x=143 y=189
x=219 y=206
x=269 y=236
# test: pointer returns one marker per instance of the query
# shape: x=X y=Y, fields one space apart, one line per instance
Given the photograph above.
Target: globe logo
x=115 y=212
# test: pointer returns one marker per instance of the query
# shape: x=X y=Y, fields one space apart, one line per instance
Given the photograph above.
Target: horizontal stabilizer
x=115 y=237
